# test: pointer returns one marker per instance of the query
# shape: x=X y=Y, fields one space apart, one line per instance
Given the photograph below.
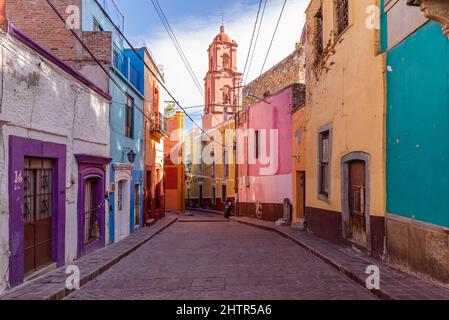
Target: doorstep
x=52 y=285
x=394 y=284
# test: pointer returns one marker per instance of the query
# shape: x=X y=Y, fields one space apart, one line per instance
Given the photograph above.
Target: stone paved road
x=220 y=260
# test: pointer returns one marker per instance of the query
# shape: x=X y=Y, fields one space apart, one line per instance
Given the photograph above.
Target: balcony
x=159 y=126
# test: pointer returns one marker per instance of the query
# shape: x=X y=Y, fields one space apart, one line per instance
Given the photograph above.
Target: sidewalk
x=394 y=284
x=52 y=286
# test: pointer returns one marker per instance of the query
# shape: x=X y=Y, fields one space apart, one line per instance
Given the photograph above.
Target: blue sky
x=195 y=23
x=176 y=11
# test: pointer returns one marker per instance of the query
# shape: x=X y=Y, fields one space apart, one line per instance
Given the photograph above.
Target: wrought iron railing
x=159 y=123
x=342 y=10
x=111 y=8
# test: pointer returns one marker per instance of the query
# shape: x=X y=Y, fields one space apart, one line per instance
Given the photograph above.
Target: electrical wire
x=274 y=35
x=255 y=43
x=176 y=44
x=140 y=58
x=252 y=38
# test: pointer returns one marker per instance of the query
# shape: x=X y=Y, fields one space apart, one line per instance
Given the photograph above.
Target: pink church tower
x=221 y=81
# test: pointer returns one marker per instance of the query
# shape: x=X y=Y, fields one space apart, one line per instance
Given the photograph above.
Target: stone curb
x=382 y=294
x=55 y=282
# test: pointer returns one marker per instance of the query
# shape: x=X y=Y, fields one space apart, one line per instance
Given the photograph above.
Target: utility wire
x=139 y=57
x=178 y=47
x=252 y=38
x=257 y=39
x=274 y=35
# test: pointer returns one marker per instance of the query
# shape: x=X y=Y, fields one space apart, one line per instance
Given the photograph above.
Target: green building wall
x=418 y=127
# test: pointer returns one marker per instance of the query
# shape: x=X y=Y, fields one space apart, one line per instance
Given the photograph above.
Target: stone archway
x=122 y=201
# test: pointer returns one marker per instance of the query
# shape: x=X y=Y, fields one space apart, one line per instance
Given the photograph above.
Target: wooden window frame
x=323 y=194
x=129 y=117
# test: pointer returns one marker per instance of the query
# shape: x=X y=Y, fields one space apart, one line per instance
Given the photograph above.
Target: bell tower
x=221 y=81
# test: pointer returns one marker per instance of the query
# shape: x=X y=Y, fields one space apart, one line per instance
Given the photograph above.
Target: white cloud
x=195 y=36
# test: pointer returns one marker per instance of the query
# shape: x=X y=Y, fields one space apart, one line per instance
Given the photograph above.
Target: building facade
x=210 y=155
x=221 y=82
x=264 y=139
x=417 y=129
x=124 y=84
x=155 y=132
x=174 y=166
x=345 y=111
x=54 y=163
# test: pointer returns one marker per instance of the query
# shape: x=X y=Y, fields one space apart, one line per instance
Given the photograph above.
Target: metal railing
x=111 y=8
x=159 y=123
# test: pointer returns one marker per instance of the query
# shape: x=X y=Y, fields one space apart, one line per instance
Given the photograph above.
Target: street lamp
x=131 y=156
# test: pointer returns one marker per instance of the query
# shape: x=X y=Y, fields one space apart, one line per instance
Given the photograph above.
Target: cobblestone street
x=198 y=258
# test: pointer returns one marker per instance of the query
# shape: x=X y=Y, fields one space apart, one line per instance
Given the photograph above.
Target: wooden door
x=357 y=205
x=136 y=206
x=149 y=196
x=92 y=205
x=300 y=194
x=37 y=213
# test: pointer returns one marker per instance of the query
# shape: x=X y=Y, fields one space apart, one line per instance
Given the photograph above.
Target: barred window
x=129 y=117
x=324 y=164
x=319 y=33
x=342 y=15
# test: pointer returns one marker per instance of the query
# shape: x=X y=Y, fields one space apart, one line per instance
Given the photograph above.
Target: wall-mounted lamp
x=131 y=156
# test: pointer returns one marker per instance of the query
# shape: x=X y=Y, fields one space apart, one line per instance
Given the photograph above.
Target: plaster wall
x=42 y=102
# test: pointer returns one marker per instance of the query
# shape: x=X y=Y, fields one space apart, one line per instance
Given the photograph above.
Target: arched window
x=227 y=95
x=226 y=61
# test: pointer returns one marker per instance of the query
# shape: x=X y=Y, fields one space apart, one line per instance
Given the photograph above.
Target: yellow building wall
x=299 y=130
x=346 y=90
x=202 y=173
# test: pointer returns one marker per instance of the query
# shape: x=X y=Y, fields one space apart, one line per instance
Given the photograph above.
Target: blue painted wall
x=418 y=127
x=118 y=89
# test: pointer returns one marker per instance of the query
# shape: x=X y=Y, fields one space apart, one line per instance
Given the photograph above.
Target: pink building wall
x=254 y=185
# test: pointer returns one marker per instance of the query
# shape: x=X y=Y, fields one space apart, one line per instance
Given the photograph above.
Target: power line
x=178 y=47
x=252 y=38
x=138 y=56
x=274 y=35
x=255 y=43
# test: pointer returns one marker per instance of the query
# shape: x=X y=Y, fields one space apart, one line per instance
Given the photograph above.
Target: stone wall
x=289 y=71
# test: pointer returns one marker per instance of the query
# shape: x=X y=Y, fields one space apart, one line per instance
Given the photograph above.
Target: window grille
x=342 y=15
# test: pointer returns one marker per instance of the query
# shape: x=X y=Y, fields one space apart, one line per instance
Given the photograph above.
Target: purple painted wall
x=91 y=167
x=19 y=148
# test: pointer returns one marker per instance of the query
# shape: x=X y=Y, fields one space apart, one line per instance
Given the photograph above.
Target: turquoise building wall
x=118 y=89
x=418 y=126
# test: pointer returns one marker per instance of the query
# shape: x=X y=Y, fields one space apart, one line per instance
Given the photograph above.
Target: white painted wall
x=42 y=102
